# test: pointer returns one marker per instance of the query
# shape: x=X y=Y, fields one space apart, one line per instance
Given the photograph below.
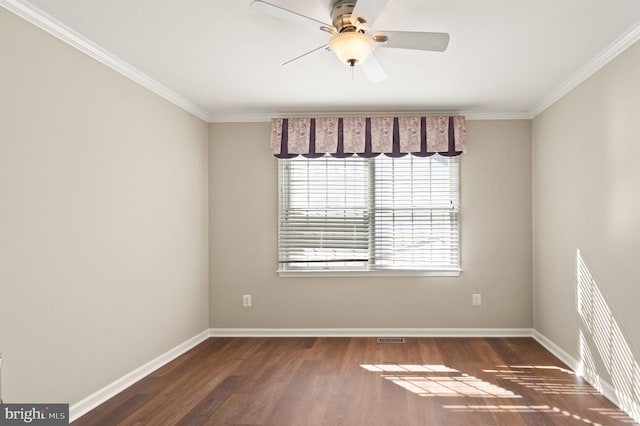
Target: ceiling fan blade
x=372 y=69
x=369 y=10
x=436 y=42
x=290 y=15
x=326 y=46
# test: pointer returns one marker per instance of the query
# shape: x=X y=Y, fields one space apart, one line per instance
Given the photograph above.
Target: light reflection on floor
x=438 y=380
x=443 y=381
x=551 y=380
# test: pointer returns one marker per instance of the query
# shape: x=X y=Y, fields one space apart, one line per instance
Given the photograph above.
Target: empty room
x=336 y=212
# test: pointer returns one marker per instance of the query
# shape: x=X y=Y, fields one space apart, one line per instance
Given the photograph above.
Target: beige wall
x=107 y=236
x=103 y=221
x=496 y=245
x=586 y=180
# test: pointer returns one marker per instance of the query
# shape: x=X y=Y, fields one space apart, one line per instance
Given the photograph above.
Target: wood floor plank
x=266 y=384
x=356 y=381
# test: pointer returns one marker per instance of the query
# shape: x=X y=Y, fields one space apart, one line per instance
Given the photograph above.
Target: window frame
x=390 y=272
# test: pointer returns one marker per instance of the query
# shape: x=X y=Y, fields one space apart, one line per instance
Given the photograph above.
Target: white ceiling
x=222 y=58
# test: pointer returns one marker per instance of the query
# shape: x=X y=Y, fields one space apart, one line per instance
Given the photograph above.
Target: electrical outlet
x=246 y=300
x=476 y=299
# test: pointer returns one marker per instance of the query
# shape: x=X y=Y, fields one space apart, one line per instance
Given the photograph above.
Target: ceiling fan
x=352 y=39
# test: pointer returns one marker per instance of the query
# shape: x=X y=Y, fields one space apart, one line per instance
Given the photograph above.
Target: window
x=379 y=214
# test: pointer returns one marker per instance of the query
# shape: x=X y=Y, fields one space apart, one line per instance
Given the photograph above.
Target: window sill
x=368 y=274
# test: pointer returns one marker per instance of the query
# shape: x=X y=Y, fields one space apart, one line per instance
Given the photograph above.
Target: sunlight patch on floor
x=551 y=380
x=463 y=386
x=438 y=380
x=519 y=409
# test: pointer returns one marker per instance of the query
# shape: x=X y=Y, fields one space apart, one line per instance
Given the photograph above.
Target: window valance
x=368 y=136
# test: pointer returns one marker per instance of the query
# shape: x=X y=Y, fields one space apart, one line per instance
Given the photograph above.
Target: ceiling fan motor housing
x=341 y=11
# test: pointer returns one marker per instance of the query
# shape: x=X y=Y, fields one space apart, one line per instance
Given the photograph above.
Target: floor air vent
x=390 y=340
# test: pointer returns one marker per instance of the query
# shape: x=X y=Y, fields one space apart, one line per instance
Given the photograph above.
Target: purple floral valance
x=368 y=136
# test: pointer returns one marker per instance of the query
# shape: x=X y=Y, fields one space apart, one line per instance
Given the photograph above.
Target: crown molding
x=496 y=115
x=267 y=116
x=49 y=24
x=57 y=29
x=603 y=58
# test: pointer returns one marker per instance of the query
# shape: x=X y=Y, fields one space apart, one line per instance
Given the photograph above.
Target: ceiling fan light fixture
x=352 y=48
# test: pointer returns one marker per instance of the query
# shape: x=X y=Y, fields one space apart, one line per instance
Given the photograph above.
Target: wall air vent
x=390 y=340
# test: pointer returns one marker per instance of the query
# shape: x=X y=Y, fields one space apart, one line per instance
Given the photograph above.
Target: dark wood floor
x=356 y=381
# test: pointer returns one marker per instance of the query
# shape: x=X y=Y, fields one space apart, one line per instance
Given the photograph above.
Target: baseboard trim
x=602 y=386
x=557 y=351
x=92 y=401
x=370 y=332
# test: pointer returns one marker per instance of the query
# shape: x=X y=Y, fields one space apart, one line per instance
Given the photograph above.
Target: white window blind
x=343 y=214
x=416 y=213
